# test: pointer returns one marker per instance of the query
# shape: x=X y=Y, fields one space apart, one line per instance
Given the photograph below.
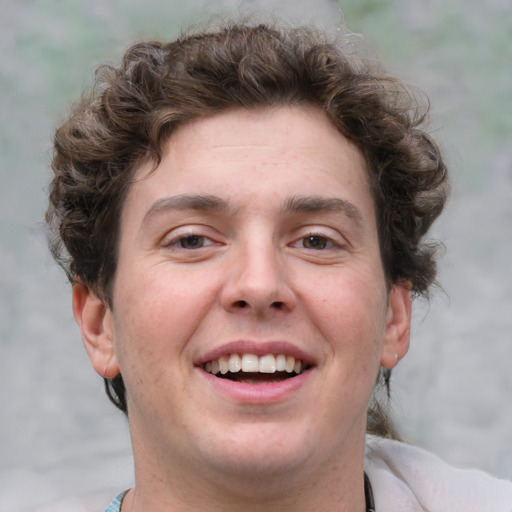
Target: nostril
x=243 y=304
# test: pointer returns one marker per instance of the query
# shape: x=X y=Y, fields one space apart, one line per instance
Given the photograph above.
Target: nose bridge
x=257 y=277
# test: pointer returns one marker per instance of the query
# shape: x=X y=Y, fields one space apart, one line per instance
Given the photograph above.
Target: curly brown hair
x=133 y=109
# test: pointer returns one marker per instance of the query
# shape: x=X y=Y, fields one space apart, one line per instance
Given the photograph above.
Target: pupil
x=191 y=242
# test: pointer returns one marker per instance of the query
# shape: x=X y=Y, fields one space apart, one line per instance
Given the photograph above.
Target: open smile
x=253 y=369
x=257 y=372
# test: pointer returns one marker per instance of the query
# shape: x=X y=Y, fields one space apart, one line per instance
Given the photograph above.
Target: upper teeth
x=268 y=363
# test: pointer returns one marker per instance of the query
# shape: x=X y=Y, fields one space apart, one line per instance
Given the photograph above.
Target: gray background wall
x=63 y=447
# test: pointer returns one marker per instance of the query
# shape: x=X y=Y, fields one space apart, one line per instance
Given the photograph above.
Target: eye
x=189 y=242
x=316 y=242
x=192 y=241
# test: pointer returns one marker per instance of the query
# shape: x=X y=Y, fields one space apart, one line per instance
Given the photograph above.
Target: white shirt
x=406 y=478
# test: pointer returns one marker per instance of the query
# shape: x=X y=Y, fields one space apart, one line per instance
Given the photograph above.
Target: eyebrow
x=322 y=204
x=295 y=204
x=205 y=203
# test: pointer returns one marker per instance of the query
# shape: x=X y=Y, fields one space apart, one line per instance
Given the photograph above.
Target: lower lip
x=261 y=393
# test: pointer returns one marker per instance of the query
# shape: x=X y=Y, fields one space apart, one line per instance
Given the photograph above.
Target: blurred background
x=63 y=447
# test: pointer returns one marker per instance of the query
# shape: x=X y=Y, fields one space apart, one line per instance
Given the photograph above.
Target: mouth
x=253 y=369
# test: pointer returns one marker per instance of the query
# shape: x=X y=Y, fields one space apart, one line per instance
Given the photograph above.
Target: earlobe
x=94 y=318
x=396 y=341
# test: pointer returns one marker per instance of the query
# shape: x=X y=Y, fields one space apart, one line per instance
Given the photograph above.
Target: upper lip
x=259 y=348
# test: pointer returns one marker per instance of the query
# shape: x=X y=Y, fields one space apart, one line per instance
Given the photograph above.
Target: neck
x=303 y=499
x=336 y=485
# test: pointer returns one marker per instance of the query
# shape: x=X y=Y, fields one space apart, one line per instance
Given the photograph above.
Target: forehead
x=300 y=126
x=285 y=152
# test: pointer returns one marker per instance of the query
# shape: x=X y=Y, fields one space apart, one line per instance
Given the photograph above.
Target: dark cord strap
x=368 y=494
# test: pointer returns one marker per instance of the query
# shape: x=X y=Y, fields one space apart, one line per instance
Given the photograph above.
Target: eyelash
x=324 y=242
x=329 y=242
x=177 y=241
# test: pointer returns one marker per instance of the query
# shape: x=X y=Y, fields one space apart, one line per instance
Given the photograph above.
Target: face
x=250 y=310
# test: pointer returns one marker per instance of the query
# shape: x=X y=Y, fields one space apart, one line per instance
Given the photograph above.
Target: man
x=242 y=214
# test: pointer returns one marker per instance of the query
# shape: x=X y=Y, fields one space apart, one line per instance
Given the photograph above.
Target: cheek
x=350 y=311
x=350 y=298
x=157 y=314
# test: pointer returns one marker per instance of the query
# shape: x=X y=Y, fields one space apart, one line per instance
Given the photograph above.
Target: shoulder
x=115 y=506
x=406 y=478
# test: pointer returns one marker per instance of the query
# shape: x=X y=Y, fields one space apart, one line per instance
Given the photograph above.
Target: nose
x=258 y=282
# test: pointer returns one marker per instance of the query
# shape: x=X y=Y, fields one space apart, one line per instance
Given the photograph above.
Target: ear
x=398 y=322
x=94 y=318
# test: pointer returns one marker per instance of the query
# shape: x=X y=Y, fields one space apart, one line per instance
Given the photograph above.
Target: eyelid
x=172 y=238
x=331 y=235
x=176 y=242
x=331 y=244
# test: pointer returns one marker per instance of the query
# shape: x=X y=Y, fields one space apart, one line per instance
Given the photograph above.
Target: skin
x=254 y=276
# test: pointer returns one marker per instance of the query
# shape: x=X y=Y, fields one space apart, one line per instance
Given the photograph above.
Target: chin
x=260 y=453
x=260 y=476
